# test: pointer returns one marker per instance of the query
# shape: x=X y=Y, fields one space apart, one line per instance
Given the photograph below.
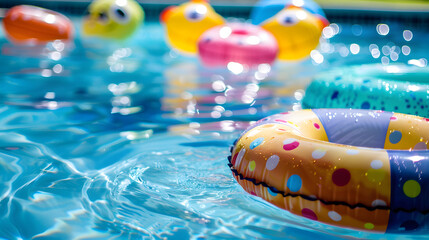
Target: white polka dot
x=376 y=164
x=352 y=152
x=239 y=157
x=318 y=153
x=253 y=132
x=272 y=162
x=334 y=216
x=378 y=203
x=289 y=141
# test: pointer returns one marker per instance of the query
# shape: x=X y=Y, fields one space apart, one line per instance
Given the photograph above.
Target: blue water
x=130 y=140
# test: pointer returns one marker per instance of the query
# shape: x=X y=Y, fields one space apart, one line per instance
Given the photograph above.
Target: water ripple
x=129 y=141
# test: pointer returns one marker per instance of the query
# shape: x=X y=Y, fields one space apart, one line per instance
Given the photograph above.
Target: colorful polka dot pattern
x=341 y=177
x=371 y=87
x=256 y=143
x=290 y=144
x=336 y=184
x=294 y=183
x=395 y=137
x=415 y=136
x=272 y=162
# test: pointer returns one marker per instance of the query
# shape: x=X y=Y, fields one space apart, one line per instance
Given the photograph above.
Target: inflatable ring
x=398 y=88
x=237 y=42
x=358 y=169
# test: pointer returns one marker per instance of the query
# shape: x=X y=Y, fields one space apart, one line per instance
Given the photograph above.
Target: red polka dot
x=253 y=193
x=393 y=118
x=316 y=126
x=291 y=146
x=427 y=119
x=281 y=129
x=309 y=214
x=280 y=120
x=285 y=113
x=234 y=159
x=341 y=177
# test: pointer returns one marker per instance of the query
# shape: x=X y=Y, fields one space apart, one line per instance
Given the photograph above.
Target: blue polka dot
x=395 y=137
x=256 y=142
x=365 y=105
x=271 y=191
x=409 y=225
x=334 y=95
x=294 y=183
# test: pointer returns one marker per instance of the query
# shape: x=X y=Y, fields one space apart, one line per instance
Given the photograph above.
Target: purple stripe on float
x=362 y=128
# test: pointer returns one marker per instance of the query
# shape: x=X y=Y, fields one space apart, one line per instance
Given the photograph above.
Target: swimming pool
x=129 y=141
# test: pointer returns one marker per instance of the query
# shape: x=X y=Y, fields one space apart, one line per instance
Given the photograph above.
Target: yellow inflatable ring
x=359 y=169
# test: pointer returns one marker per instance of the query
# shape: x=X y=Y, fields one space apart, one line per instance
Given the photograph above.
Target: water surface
x=104 y=140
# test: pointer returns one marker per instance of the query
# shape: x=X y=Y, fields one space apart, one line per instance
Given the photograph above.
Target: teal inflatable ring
x=397 y=88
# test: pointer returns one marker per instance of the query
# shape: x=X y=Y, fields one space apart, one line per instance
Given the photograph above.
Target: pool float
x=113 y=19
x=25 y=24
x=187 y=22
x=237 y=42
x=358 y=169
x=399 y=88
x=297 y=32
x=265 y=9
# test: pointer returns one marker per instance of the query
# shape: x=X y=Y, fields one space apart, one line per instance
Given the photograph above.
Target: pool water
x=103 y=140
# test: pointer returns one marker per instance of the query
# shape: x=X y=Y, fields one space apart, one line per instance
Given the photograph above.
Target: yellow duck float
x=297 y=32
x=114 y=19
x=187 y=22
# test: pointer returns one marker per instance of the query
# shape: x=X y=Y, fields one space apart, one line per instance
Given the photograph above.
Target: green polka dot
x=252 y=165
x=376 y=175
x=369 y=226
x=411 y=188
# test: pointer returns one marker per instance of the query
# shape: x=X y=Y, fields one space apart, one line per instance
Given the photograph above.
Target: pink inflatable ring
x=237 y=42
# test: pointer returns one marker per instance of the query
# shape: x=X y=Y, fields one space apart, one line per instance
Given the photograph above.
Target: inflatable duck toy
x=187 y=22
x=297 y=32
x=113 y=19
x=26 y=24
x=265 y=9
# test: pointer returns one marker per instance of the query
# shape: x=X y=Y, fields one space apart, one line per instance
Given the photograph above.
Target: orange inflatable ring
x=359 y=169
x=26 y=24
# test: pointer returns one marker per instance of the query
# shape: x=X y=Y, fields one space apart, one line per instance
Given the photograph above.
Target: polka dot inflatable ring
x=398 y=87
x=360 y=169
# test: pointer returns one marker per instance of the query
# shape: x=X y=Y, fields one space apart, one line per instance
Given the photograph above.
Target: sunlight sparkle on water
x=408 y=35
x=406 y=50
x=316 y=56
x=354 y=48
x=383 y=29
x=235 y=67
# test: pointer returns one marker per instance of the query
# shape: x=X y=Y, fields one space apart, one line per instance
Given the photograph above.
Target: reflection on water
x=194 y=92
x=106 y=140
